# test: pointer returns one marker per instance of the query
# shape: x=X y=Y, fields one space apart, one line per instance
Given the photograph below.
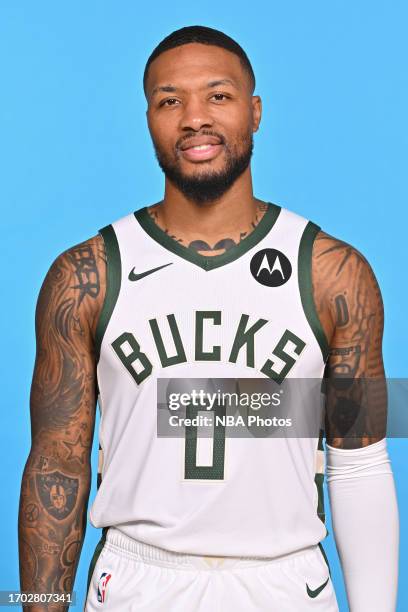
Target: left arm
x=360 y=480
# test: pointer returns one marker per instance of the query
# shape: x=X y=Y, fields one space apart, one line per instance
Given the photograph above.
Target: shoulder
x=336 y=260
x=76 y=281
x=343 y=282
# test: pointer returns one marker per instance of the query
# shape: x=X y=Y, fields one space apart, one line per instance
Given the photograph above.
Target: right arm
x=57 y=476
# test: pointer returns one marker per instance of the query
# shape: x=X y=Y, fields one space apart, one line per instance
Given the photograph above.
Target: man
x=209 y=283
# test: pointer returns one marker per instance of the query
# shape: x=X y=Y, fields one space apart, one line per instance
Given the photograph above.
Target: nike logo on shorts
x=315 y=592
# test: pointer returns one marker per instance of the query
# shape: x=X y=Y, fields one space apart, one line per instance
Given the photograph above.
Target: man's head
x=201 y=112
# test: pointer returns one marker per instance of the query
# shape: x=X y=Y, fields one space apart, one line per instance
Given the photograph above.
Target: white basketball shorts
x=128 y=576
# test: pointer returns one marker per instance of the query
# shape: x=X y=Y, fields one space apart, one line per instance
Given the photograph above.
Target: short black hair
x=205 y=36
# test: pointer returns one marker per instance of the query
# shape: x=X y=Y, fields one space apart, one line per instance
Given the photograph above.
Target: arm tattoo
x=57 y=475
x=83 y=260
x=349 y=304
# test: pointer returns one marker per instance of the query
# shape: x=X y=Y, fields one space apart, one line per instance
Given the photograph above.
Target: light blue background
x=75 y=155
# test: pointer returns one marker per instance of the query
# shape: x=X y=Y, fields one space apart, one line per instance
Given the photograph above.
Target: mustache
x=192 y=134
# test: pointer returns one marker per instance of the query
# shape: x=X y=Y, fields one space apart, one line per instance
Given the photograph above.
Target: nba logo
x=102 y=586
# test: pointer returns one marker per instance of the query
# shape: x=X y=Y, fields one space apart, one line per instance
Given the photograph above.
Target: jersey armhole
x=305 y=285
x=113 y=281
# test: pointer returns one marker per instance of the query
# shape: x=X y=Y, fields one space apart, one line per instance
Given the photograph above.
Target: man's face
x=201 y=116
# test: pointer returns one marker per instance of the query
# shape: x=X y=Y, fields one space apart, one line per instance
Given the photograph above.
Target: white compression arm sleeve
x=365 y=521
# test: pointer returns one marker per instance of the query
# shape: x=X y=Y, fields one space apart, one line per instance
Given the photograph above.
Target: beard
x=207 y=186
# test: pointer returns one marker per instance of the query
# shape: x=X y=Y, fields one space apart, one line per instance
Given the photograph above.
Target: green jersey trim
x=324 y=555
x=215 y=261
x=305 y=285
x=319 y=482
x=95 y=557
x=113 y=280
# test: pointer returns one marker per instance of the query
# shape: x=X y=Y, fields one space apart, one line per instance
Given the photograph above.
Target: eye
x=220 y=97
x=169 y=102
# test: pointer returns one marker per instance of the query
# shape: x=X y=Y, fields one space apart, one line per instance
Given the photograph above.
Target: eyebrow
x=173 y=89
x=221 y=82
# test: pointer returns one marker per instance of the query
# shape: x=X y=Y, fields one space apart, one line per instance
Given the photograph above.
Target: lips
x=200 y=141
x=201 y=148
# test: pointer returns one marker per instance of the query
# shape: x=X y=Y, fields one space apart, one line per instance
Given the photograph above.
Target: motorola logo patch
x=271 y=267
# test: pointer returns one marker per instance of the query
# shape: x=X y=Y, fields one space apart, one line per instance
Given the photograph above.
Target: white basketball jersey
x=170 y=312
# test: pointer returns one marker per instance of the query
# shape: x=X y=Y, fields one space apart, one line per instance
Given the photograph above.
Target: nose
x=195 y=115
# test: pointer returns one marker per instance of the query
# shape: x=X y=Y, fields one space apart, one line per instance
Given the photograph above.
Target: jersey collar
x=214 y=261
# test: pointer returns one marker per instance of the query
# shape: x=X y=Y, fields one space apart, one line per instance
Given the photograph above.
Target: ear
x=256 y=112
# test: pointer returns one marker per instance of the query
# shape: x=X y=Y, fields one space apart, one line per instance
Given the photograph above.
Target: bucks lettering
x=140 y=365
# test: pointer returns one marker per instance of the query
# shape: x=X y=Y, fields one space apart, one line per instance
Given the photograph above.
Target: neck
x=235 y=211
x=213 y=227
